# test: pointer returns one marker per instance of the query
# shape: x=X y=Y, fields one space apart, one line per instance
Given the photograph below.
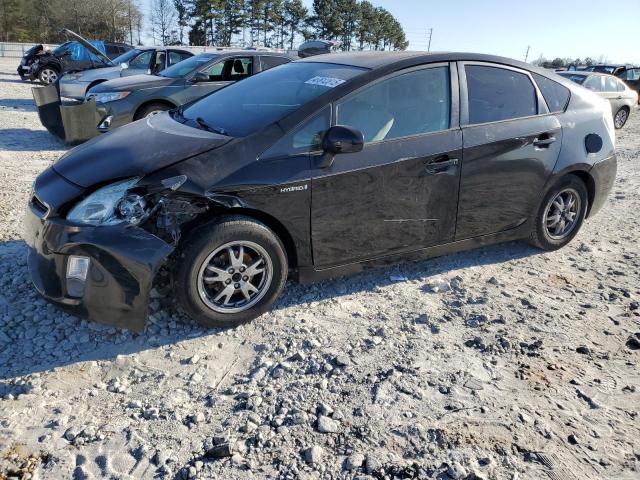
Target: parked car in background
x=620 y=96
x=48 y=66
x=124 y=100
x=405 y=155
x=631 y=76
x=140 y=60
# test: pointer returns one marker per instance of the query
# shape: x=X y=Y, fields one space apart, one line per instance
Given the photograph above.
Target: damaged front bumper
x=123 y=261
x=72 y=122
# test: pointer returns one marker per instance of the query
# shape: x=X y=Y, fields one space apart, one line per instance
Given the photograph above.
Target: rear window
x=499 y=94
x=579 y=79
x=556 y=95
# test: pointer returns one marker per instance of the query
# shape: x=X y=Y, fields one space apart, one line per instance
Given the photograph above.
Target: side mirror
x=340 y=139
x=343 y=139
x=124 y=65
x=200 y=77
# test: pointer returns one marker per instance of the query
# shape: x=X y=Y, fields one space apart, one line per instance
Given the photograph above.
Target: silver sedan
x=622 y=98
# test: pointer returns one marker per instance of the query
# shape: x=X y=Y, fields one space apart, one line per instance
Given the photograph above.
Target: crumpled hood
x=132 y=82
x=135 y=150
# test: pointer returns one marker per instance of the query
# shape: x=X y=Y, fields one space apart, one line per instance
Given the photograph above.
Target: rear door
x=400 y=192
x=511 y=144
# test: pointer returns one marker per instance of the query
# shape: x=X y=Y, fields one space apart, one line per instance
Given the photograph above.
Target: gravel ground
x=502 y=363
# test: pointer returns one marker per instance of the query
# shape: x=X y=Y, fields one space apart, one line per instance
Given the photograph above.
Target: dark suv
x=47 y=66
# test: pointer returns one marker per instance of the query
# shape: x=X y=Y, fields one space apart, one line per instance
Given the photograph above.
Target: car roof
x=584 y=73
x=377 y=59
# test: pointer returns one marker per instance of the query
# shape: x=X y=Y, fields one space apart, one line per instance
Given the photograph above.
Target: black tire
x=541 y=237
x=151 y=109
x=621 y=117
x=48 y=75
x=204 y=242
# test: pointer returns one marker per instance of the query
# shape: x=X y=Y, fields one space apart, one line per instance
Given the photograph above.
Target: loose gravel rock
x=502 y=362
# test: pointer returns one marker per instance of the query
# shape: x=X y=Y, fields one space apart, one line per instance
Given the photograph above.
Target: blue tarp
x=78 y=52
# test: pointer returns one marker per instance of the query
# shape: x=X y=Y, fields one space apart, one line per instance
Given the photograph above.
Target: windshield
x=187 y=66
x=125 y=57
x=251 y=104
x=579 y=79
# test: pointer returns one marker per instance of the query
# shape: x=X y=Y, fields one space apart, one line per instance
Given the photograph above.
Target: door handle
x=440 y=164
x=543 y=142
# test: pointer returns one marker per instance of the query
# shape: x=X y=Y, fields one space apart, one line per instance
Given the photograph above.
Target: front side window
x=556 y=95
x=142 y=61
x=238 y=68
x=305 y=138
x=413 y=103
x=245 y=107
x=631 y=74
x=190 y=65
x=497 y=94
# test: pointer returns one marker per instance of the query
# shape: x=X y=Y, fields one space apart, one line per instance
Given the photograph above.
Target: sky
x=551 y=28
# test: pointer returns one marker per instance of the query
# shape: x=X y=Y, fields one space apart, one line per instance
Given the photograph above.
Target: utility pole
x=430 y=35
x=526 y=55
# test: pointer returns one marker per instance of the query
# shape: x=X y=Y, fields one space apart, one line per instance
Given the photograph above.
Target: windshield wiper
x=220 y=131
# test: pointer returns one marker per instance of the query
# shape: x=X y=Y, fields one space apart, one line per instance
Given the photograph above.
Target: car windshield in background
x=579 y=79
x=125 y=57
x=187 y=66
x=251 y=104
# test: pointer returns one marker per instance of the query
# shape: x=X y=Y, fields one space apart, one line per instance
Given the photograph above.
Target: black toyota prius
x=315 y=169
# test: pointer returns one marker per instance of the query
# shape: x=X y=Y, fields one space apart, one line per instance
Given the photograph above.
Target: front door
x=220 y=74
x=511 y=145
x=400 y=192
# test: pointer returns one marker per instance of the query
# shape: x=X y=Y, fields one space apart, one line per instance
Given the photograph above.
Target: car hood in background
x=136 y=150
x=132 y=82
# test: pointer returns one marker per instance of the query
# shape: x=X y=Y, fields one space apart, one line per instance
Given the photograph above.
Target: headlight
x=108 y=96
x=73 y=76
x=99 y=208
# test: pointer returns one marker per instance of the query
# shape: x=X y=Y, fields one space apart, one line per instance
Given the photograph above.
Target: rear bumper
x=604 y=176
x=123 y=262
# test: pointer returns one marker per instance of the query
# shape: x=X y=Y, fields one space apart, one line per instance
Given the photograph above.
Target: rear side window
x=556 y=95
x=270 y=62
x=177 y=57
x=498 y=94
x=610 y=84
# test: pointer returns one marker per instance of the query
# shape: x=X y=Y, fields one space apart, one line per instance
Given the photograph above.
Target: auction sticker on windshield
x=325 y=81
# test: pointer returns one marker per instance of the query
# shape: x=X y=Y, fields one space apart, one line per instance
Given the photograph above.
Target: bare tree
x=163 y=20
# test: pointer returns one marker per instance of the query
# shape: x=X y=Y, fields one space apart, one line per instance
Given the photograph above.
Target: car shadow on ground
x=26 y=139
x=36 y=336
x=19 y=104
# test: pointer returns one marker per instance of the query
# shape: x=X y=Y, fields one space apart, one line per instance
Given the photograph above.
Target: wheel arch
x=218 y=211
x=146 y=103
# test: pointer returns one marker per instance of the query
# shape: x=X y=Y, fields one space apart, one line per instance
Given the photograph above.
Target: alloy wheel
x=234 y=277
x=621 y=118
x=561 y=214
x=48 y=76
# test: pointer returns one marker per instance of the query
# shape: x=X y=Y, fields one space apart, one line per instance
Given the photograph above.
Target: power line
x=526 y=55
x=430 y=35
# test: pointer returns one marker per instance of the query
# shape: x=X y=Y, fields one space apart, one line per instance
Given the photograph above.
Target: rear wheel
x=561 y=214
x=48 y=75
x=230 y=272
x=151 y=109
x=621 y=117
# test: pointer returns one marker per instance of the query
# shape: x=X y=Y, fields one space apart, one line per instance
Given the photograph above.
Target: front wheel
x=48 y=75
x=620 y=118
x=230 y=272
x=151 y=109
x=561 y=214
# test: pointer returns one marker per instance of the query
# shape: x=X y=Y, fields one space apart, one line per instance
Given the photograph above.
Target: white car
x=622 y=98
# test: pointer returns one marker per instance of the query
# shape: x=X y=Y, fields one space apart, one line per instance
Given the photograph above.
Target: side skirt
x=308 y=275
